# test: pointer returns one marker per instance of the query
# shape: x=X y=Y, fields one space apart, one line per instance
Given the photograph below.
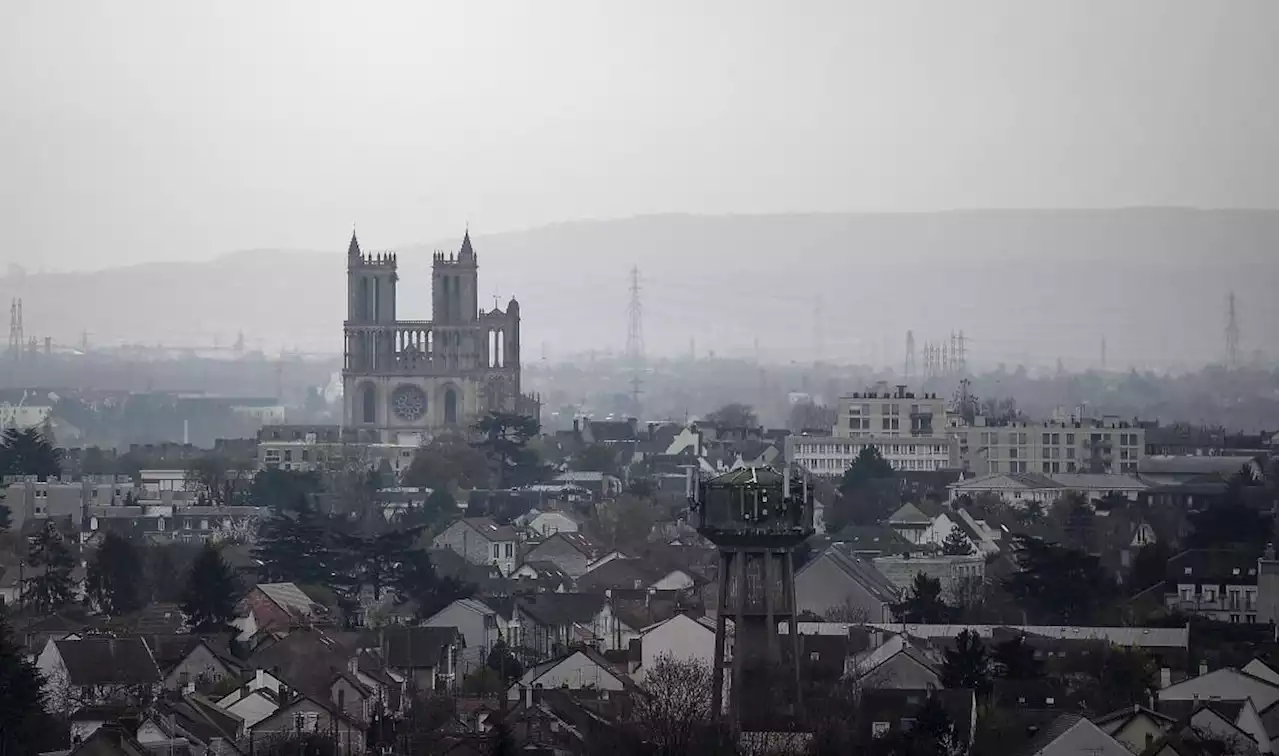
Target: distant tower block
x=756 y=516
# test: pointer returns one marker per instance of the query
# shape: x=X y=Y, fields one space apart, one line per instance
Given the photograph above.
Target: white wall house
x=681 y=637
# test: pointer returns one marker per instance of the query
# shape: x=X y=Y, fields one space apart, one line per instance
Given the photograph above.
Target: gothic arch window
x=450 y=407
x=368 y=408
x=362 y=299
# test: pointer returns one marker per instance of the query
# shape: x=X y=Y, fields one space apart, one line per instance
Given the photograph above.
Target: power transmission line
x=1233 y=333
x=635 y=336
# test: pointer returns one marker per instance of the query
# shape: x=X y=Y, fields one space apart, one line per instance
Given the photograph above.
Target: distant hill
x=1036 y=284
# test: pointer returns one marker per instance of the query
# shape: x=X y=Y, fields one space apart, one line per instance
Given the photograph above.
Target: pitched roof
x=290 y=598
x=491 y=530
x=621 y=573
x=1072 y=733
x=860 y=571
x=581 y=542
x=109 y=740
x=108 y=661
x=909 y=514
x=560 y=609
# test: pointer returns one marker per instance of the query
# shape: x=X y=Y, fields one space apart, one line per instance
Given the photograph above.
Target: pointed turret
x=353 y=249
x=465 y=253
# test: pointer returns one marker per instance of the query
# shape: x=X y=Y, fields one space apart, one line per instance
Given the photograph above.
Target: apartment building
x=301 y=448
x=1105 y=445
x=908 y=430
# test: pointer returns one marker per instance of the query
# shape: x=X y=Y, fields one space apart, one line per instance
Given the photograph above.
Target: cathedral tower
x=405 y=380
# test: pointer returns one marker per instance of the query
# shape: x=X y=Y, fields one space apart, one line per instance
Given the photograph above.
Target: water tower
x=756 y=516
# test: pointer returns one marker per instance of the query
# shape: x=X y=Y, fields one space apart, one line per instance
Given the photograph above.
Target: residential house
x=867 y=541
x=1020 y=488
x=630 y=611
x=552 y=522
x=194 y=720
x=110 y=740
x=601 y=485
x=576 y=669
x=482 y=623
x=98 y=670
x=191 y=660
x=302 y=715
x=681 y=637
x=840 y=586
x=426 y=657
x=276 y=606
x=1071 y=735
x=1229 y=720
x=630 y=573
x=257 y=697
x=1217 y=584
x=571 y=552
x=542 y=576
x=1135 y=727
x=481 y=541
x=563 y=722
x=919 y=528
x=897 y=663
x=882 y=711
x=545 y=624
x=961 y=577
x=1225 y=684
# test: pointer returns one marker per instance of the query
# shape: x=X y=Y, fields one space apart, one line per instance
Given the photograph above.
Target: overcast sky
x=157 y=130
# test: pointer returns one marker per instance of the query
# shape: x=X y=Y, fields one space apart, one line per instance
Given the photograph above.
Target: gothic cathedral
x=403 y=381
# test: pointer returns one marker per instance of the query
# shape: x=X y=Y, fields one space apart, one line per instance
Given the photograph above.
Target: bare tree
x=674 y=712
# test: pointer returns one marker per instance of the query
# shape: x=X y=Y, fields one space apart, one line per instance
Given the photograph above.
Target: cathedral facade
x=403 y=381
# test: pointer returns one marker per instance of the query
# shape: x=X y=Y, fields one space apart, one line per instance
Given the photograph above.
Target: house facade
x=482 y=541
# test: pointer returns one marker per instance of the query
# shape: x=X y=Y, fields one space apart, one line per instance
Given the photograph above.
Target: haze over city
x=143 y=133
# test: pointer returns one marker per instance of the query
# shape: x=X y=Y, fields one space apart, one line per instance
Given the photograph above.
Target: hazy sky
x=145 y=130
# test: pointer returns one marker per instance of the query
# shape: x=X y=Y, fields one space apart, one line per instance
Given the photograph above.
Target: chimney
x=353 y=664
x=528 y=696
x=258 y=680
x=1166 y=677
x=1204 y=667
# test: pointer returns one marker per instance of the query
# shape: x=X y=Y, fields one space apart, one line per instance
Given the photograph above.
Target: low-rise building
x=1103 y=445
x=960 y=576
x=1217 y=584
x=482 y=541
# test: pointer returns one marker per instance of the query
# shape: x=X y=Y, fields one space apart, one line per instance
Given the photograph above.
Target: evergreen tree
x=957 y=543
x=1015 y=659
x=377 y=561
x=49 y=586
x=924 y=603
x=294 y=547
x=504 y=440
x=1058 y=584
x=209 y=602
x=28 y=452
x=416 y=579
x=5 y=518
x=967 y=666
x=869 y=492
x=504 y=663
x=115 y=581
x=24 y=725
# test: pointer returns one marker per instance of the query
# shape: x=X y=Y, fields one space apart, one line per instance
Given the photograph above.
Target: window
x=1235 y=619
x=879 y=729
x=1013 y=453
x=288 y=455
x=1056 y=439
x=1044 y=439
x=1044 y=467
x=1071 y=438
x=1071 y=452
x=342 y=699
x=510 y=550
x=497 y=551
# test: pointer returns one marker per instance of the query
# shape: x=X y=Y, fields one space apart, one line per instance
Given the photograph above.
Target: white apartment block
x=908 y=430
x=1106 y=445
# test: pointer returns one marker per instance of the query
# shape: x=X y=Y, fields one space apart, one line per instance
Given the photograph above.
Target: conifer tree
x=115 y=579
x=957 y=543
x=209 y=600
x=24 y=725
x=49 y=587
x=294 y=547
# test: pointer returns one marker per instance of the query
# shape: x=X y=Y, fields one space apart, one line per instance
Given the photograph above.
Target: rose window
x=409 y=403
